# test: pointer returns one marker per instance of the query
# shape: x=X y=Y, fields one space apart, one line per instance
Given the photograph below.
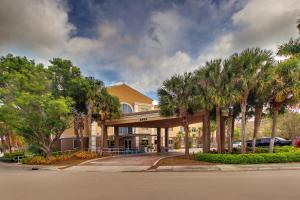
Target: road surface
x=64 y=185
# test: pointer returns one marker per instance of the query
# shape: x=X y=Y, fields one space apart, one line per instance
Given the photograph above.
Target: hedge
x=282 y=155
x=12 y=157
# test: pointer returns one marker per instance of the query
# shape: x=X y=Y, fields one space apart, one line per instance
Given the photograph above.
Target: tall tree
x=177 y=96
x=68 y=82
x=106 y=107
x=247 y=65
x=215 y=79
x=94 y=89
x=285 y=89
x=202 y=83
x=28 y=105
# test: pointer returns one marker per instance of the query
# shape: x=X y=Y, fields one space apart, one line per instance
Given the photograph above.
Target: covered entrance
x=147 y=119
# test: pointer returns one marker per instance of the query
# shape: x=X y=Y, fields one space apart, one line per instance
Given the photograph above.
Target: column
x=116 y=135
x=158 y=140
x=166 y=139
x=93 y=137
x=104 y=137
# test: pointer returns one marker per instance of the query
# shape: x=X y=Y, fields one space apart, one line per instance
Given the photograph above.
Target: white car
x=237 y=144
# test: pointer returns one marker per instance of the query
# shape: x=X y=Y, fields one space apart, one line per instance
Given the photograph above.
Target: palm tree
x=177 y=96
x=106 y=107
x=93 y=89
x=247 y=65
x=285 y=89
x=211 y=78
x=260 y=95
x=290 y=48
x=202 y=86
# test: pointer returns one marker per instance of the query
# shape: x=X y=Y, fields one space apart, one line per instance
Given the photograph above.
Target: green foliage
x=289 y=125
x=250 y=158
x=106 y=107
x=12 y=157
x=177 y=96
x=290 y=48
x=281 y=155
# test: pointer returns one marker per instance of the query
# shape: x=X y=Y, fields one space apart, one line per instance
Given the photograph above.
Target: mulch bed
x=180 y=161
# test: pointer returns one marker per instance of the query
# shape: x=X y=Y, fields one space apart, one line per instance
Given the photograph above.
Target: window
x=194 y=129
x=76 y=143
x=170 y=141
x=181 y=129
x=126 y=108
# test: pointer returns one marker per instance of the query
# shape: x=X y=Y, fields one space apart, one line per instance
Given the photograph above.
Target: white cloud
x=264 y=24
x=41 y=28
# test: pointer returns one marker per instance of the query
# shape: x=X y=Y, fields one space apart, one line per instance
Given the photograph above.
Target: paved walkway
x=122 y=163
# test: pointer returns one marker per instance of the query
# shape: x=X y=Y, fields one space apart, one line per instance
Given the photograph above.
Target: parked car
x=265 y=142
x=237 y=144
x=297 y=142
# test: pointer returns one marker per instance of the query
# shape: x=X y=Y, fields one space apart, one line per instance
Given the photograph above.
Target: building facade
x=132 y=101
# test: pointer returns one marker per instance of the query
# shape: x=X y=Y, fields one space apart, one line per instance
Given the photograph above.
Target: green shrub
x=286 y=149
x=281 y=157
x=12 y=157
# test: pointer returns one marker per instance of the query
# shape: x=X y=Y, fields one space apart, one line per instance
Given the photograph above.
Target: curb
x=153 y=166
x=30 y=167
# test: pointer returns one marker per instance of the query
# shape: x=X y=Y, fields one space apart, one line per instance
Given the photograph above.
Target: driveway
x=122 y=163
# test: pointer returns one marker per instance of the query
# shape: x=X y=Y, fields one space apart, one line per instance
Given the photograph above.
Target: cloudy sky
x=142 y=42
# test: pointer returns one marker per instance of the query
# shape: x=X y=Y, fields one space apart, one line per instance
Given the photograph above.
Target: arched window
x=126 y=108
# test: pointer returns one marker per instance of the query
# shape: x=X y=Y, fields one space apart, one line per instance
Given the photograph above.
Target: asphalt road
x=63 y=185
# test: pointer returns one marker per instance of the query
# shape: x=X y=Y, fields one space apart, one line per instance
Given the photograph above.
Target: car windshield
x=281 y=139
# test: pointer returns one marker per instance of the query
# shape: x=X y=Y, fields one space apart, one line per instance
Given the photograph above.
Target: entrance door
x=127 y=144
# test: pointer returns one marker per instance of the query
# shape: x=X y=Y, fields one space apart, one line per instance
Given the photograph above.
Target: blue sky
x=141 y=42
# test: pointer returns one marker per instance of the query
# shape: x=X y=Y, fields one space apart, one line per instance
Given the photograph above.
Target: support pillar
x=116 y=136
x=166 y=139
x=158 y=140
x=104 y=137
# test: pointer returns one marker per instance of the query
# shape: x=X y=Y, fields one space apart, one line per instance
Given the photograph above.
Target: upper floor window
x=126 y=108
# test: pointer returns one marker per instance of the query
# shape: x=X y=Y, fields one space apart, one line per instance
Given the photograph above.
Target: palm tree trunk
x=274 y=123
x=257 y=120
x=81 y=139
x=229 y=132
x=218 y=122
x=8 y=136
x=223 y=134
x=232 y=132
x=206 y=131
x=243 y=113
x=186 y=141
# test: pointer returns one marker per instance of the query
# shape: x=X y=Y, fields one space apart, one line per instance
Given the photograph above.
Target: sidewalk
x=28 y=167
x=229 y=168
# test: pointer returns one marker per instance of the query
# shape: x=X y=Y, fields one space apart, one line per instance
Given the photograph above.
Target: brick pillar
x=117 y=139
x=167 y=139
x=158 y=140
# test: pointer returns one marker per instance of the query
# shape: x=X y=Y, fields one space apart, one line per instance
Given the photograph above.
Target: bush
x=85 y=155
x=286 y=149
x=36 y=160
x=12 y=157
x=280 y=157
x=40 y=160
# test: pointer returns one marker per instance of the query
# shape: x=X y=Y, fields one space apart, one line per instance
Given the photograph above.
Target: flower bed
x=40 y=160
